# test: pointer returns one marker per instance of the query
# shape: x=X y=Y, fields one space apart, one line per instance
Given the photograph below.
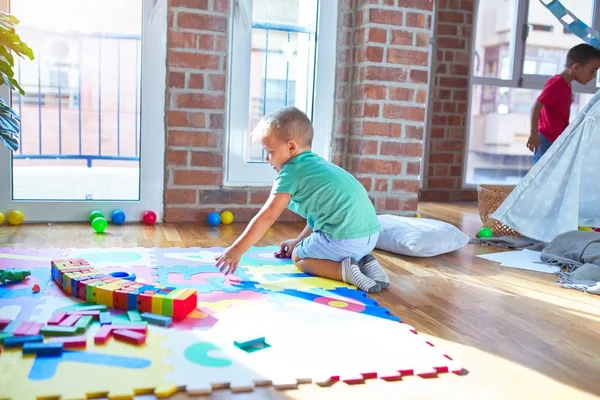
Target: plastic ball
x=35 y=288
x=226 y=217
x=417 y=215
x=149 y=217
x=485 y=232
x=213 y=219
x=95 y=214
x=14 y=217
x=117 y=217
x=1 y=218
x=99 y=224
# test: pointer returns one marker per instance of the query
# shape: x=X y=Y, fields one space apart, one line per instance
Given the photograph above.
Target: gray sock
x=351 y=274
x=370 y=267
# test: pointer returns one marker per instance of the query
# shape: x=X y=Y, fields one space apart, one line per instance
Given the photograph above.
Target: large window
x=518 y=46
x=283 y=54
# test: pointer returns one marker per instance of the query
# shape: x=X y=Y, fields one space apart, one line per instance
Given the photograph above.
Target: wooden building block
x=57 y=318
x=156 y=319
x=53 y=330
x=103 y=334
x=129 y=336
x=43 y=349
x=72 y=342
x=105 y=318
x=71 y=320
x=19 y=341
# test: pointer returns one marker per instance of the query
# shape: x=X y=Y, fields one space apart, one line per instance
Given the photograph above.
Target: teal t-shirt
x=330 y=198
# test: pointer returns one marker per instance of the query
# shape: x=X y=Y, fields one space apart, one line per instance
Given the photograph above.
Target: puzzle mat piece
x=39 y=276
x=20 y=308
x=216 y=302
x=192 y=256
x=200 y=318
x=202 y=278
x=297 y=295
x=52 y=304
x=115 y=256
x=336 y=344
x=117 y=368
x=29 y=258
x=277 y=278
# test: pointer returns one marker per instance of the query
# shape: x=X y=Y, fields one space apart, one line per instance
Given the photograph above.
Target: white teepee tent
x=562 y=191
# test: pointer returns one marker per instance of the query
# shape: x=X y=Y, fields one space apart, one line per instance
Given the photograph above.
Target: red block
x=132 y=327
x=35 y=328
x=70 y=342
x=120 y=299
x=56 y=318
x=184 y=305
x=144 y=303
x=22 y=329
x=91 y=313
x=130 y=336
x=102 y=334
x=70 y=320
x=4 y=322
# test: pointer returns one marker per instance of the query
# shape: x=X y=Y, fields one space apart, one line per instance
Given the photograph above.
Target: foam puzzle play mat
x=116 y=322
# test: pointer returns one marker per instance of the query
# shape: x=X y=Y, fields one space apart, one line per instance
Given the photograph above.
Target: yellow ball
x=15 y=217
x=1 y=218
x=226 y=217
x=418 y=215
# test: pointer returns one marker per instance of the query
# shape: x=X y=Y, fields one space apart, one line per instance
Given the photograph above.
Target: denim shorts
x=320 y=246
x=542 y=148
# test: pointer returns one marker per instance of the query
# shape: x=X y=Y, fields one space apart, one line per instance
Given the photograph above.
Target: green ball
x=99 y=224
x=95 y=214
x=485 y=232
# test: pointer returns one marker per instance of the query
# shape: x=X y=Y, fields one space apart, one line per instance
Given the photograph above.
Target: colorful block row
x=78 y=278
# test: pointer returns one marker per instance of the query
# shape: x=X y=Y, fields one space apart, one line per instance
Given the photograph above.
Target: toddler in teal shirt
x=341 y=223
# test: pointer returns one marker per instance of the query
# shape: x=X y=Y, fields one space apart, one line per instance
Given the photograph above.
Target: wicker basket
x=490 y=197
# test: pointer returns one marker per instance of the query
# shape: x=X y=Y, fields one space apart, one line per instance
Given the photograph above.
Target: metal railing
x=65 y=112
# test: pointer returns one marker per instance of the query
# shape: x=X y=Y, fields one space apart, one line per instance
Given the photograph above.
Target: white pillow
x=418 y=237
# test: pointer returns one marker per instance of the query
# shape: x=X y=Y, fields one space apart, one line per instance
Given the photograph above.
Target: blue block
x=43 y=349
x=18 y=341
x=248 y=342
x=105 y=318
x=132 y=301
x=156 y=319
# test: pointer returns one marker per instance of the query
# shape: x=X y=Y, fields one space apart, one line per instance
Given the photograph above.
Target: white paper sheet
x=521 y=259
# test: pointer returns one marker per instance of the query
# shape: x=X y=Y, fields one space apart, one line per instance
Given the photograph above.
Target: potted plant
x=10 y=42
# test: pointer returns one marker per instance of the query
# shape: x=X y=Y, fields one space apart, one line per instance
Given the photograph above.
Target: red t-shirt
x=554 y=117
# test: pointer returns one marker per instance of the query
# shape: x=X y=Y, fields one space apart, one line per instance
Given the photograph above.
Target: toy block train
x=79 y=279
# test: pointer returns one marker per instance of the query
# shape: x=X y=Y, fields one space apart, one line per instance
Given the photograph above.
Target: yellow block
x=105 y=293
x=157 y=303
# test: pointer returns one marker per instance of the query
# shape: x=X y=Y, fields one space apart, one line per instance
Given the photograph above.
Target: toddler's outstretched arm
x=258 y=226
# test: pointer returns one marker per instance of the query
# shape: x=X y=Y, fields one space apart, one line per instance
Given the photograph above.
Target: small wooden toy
x=279 y=254
x=4 y=322
x=43 y=349
x=70 y=320
x=13 y=275
x=129 y=336
x=57 y=317
x=251 y=343
x=71 y=342
x=105 y=318
x=103 y=334
x=134 y=316
x=54 y=330
x=156 y=319
x=19 y=341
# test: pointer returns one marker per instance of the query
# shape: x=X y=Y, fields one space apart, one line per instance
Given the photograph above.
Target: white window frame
x=152 y=131
x=519 y=79
x=239 y=172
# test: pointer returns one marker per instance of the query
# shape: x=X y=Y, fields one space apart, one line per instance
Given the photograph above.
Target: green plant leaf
x=9 y=126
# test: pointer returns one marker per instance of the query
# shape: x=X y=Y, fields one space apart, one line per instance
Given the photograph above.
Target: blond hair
x=288 y=123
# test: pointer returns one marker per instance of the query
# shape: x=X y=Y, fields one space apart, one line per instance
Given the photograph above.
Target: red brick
x=421 y=97
x=206 y=42
x=402 y=38
x=370 y=110
x=466 y=5
x=451 y=17
x=180 y=196
x=381 y=185
x=419 y=76
x=407 y=57
x=451 y=43
x=183 y=40
x=422 y=40
x=403 y=112
x=395 y=204
x=206 y=159
x=217 y=82
x=200 y=100
x=413 y=168
x=441 y=183
x=186 y=119
x=259 y=196
x=196 y=81
x=221 y=6
x=195 y=177
x=177 y=157
x=405 y=185
x=458 y=69
x=221 y=43
x=449 y=108
x=455 y=120
x=413 y=132
x=366 y=182
x=372 y=92
x=377 y=35
x=437 y=132
x=203 y=22
x=448 y=145
x=426 y=5
x=439 y=120
x=401 y=149
x=222 y=197
x=375 y=54
x=176 y=79
x=217 y=121
x=360 y=146
x=183 y=214
x=460 y=95
x=196 y=4
x=387 y=17
x=447 y=29
x=435 y=195
x=401 y=94
x=456 y=170
x=191 y=139
x=441 y=170
x=375 y=166
x=381 y=129
x=416 y=20
x=194 y=60
x=374 y=73
x=441 y=158
x=457 y=133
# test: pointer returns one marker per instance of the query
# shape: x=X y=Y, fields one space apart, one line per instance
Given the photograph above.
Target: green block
x=135 y=323
x=174 y=293
x=4 y=335
x=168 y=306
x=51 y=330
x=95 y=307
x=83 y=323
x=134 y=316
x=89 y=294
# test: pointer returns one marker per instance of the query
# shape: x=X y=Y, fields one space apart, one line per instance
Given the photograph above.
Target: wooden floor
x=516 y=332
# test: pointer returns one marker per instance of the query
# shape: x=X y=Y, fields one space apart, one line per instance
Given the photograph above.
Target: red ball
x=35 y=288
x=149 y=217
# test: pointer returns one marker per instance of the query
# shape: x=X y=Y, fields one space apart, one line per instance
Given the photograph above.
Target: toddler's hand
x=229 y=260
x=288 y=246
x=534 y=142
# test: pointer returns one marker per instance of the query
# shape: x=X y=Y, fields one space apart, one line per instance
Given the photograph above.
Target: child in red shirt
x=551 y=112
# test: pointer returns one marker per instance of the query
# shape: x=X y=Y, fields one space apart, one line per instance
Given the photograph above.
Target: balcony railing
x=82 y=99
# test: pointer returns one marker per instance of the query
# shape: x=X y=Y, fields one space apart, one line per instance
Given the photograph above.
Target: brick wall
x=381 y=96
x=447 y=139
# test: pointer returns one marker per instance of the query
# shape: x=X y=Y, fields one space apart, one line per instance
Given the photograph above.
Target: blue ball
x=117 y=217
x=213 y=219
